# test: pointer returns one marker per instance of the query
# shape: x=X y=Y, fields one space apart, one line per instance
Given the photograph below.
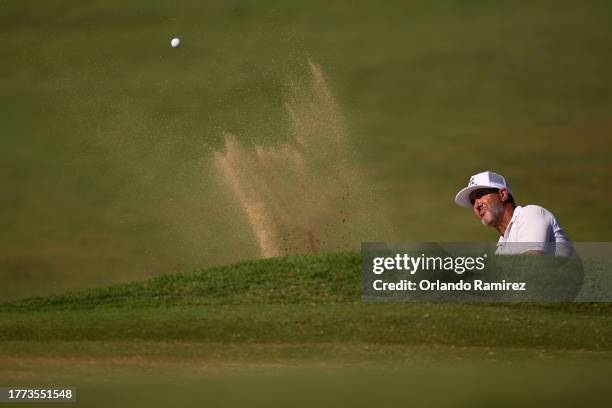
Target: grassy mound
x=296 y=279
x=300 y=299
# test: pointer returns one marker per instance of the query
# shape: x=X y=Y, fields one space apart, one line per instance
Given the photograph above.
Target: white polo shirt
x=533 y=228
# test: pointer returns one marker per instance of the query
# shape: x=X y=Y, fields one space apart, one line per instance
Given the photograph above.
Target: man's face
x=488 y=206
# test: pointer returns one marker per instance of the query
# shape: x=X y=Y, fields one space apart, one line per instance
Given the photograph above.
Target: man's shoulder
x=535 y=212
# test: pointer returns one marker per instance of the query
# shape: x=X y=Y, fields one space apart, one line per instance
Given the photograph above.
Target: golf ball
x=175 y=42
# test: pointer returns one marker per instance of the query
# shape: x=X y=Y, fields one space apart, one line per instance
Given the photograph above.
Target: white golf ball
x=175 y=42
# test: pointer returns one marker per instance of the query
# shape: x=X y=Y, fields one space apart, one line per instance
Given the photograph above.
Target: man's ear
x=503 y=195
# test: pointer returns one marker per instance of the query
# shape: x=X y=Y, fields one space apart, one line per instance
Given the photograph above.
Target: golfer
x=522 y=229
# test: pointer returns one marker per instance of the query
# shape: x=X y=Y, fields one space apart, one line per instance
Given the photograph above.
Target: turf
x=292 y=300
x=108 y=131
x=107 y=140
x=293 y=319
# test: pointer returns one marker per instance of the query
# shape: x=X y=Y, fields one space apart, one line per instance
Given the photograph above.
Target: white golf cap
x=486 y=179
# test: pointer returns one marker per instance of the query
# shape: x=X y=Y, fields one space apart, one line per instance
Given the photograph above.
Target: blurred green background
x=107 y=132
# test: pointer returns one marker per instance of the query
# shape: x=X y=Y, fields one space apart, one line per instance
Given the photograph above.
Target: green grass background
x=294 y=331
x=107 y=132
x=106 y=140
x=297 y=299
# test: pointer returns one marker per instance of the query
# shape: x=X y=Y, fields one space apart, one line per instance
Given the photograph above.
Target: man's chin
x=486 y=221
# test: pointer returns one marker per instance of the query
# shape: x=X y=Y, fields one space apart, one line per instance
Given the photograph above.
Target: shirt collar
x=515 y=215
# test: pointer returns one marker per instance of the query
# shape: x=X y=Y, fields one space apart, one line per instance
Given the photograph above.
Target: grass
x=107 y=140
x=459 y=325
x=108 y=131
x=301 y=299
x=298 y=320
